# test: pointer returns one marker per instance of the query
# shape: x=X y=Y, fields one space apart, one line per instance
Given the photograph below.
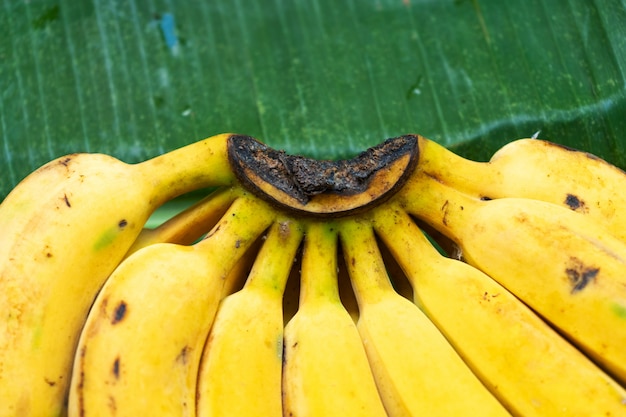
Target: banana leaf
x=322 y=78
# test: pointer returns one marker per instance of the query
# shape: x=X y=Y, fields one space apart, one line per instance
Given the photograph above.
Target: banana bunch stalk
x=407 y=281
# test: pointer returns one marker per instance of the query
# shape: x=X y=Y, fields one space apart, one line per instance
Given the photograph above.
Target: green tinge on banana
x=64 y=230
x=240 y=370
x=325 y=370
x=562 y=264
x=511 y=349
x=141 y=346
x=417 y=371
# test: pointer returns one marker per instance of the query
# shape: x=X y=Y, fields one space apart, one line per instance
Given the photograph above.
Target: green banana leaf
x=323 y=78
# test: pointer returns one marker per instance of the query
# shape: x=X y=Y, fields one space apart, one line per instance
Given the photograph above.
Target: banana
x=240 y=369
x=527 y=365
x=190 y=224
x=140 y=348
x=562 y=264
x=540 y=170
x=325 y=370
x=416 y=370
x=64 y=229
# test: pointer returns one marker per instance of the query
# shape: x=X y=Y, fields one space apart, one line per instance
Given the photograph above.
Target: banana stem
x=403 y=237
x=364 y=262
x=464 y=174
x=246 y=219
x=189 y=225
x=318 y=279
x=192 y=167
x=443 y=207
x=275 y=259
x=409 y=246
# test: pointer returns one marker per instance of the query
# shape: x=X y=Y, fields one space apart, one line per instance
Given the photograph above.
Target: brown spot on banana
x=323 y=188
x=112 y=404
x=488 y=297
x=183 y=356
x=81 y=383
x=119 y=313
x=65 y=161
x=284 y=231
x=575 y=203
x=580 y=275
x=444 y=209
x=115 y=369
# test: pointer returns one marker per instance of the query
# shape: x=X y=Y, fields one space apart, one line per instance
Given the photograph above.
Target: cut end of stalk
x=323 y=188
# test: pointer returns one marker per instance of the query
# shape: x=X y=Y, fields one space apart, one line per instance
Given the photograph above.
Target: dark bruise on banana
x=323 y=188
x=580 y=275
x=575 y=203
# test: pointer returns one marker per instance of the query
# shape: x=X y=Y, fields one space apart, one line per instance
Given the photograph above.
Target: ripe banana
x=416 y=370
x=325 y=370
x=527 y=365
x=190 y=224
x=64 y=229
x=240 y=369
x=540 y=170
x=562 y=264
x=141 y=345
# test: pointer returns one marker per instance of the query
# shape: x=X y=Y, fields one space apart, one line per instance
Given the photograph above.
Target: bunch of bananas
x=406 y=281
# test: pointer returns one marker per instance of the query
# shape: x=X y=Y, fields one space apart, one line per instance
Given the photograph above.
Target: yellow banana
x=527 y=365
x=416 y=370
x=139 y=351
x=190 y=224
x=540 y=170
x=240 y=370
x=325 y=371
x=562 y=264
x=64 y=229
